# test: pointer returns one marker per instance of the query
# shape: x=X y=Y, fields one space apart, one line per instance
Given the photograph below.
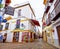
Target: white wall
x=2 y=32
x=30 y=26
x=55 y=33
x=15 y=13
x=25 y=24
x=20 y=37
x=56 y=42
x=25 y=11
x=12 y=26
x=9 y=37
x=3 y=26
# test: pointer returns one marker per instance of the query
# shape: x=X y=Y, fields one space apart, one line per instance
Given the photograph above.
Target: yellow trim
x=18 y=30
x=2 y=30
x=21 y=20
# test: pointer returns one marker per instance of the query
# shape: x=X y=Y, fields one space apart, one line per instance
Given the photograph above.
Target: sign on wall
x=9 y=10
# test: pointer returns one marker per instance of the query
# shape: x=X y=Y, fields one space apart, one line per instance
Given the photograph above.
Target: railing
x=48 y=22
x=53 y=14
x=48 y=5
x=56 y=9
x=57 y=1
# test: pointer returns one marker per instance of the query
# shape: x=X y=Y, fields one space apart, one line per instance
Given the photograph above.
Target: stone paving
x=34 y=45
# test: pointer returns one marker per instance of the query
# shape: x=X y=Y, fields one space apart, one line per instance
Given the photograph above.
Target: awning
x=35 y=22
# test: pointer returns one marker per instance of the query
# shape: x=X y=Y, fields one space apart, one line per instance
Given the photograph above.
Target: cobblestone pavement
x=34 y=45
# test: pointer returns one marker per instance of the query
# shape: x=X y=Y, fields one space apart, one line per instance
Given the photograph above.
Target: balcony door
x=16 y=37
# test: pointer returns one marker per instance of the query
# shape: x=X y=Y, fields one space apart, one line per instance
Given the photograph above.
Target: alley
x=38 y=44
x=22 y=22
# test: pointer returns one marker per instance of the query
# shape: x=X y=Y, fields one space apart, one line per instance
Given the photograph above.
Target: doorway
x=16 y=37
x=58 y=32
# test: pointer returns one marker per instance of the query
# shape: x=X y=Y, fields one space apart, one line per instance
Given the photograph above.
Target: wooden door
x=16 y=37
x=25 y=36
x=58 y=32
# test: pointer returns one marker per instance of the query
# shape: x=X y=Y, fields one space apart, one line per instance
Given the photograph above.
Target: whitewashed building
x=21 y=26
x=51 y=22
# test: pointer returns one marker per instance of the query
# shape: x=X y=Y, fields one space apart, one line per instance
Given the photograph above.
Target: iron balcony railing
x=56 y=9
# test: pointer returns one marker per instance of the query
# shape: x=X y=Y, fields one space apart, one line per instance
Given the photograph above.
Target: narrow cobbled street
x=38 y=44
x=29 y=24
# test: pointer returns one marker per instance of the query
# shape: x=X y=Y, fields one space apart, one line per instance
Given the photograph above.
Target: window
x=7 y=25
x=1 y=26
x=19 y=13
x=18 y=23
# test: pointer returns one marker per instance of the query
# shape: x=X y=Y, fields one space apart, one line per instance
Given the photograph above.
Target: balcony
x=48 y=5
x=57 y=1
x=53 y=14
x=48 y=22
x=56 y=12
x=56 y=17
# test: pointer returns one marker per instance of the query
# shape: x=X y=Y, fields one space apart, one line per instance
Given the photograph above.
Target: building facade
x=22 y=26
x=51 y=22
